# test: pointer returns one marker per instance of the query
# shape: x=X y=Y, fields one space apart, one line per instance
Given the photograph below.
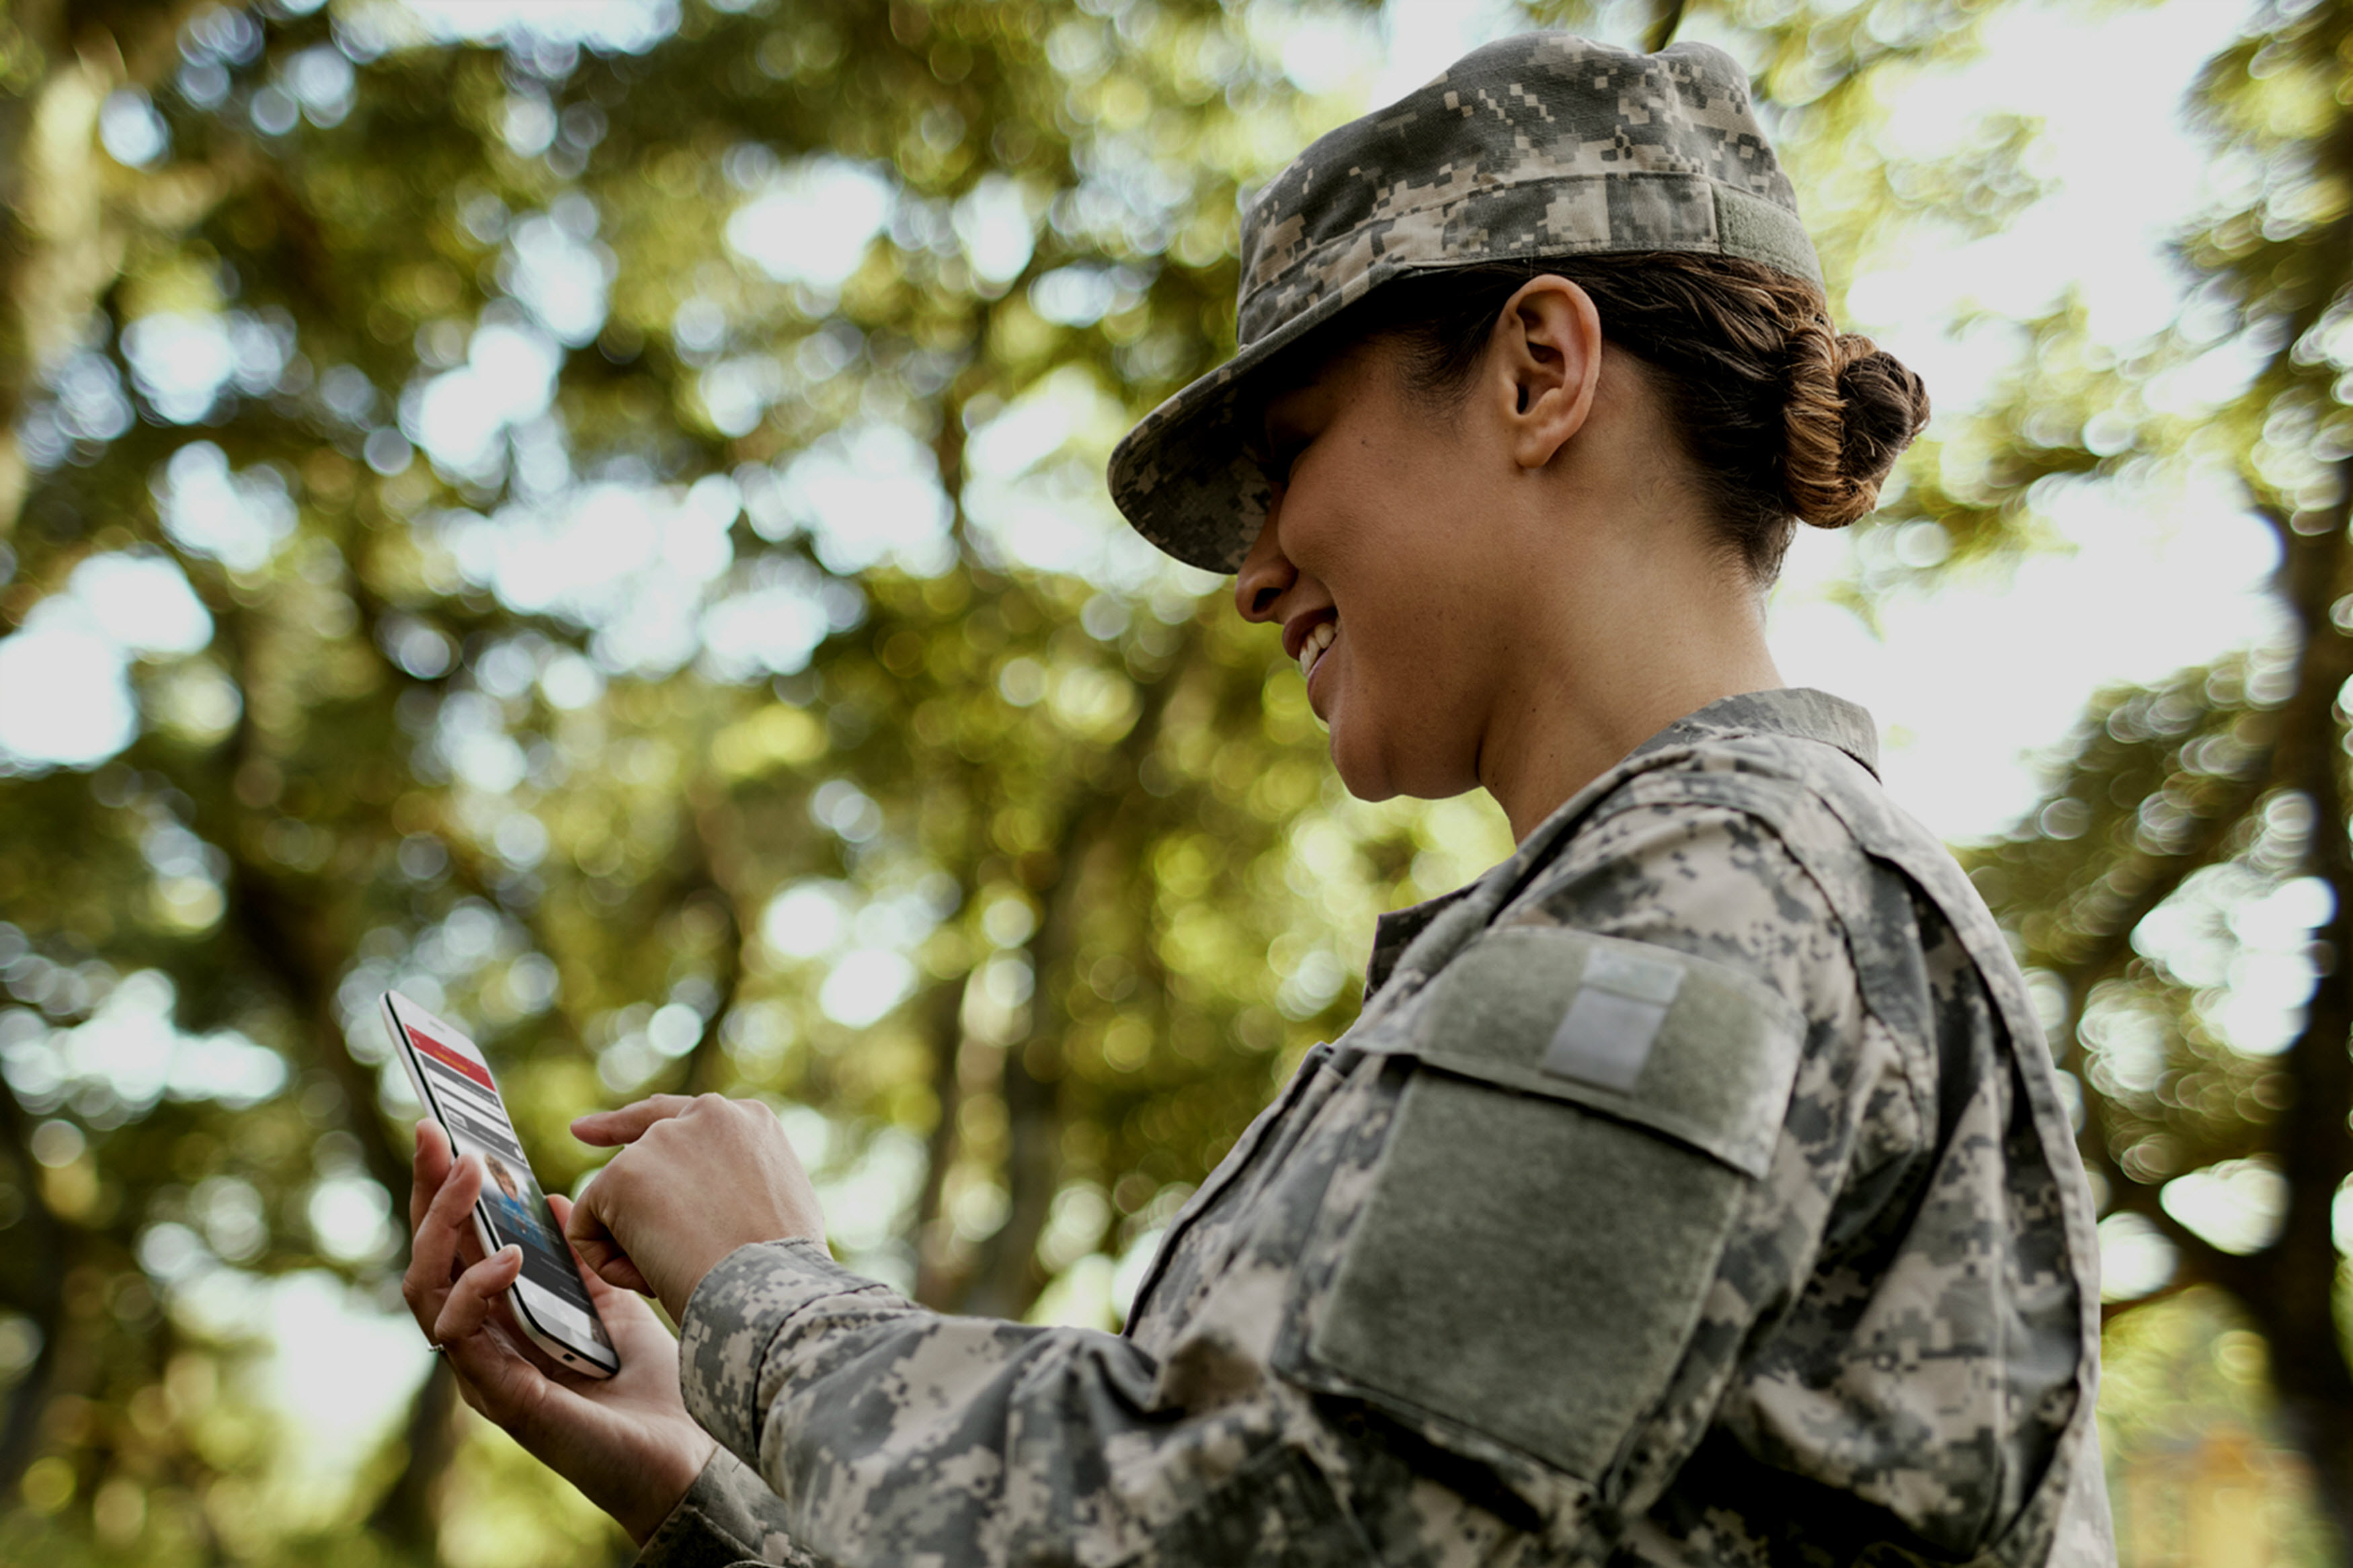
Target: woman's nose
x=1266 y=572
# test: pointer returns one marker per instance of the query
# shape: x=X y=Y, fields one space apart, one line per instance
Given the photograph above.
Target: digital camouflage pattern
x=727 y=1516
x=1542 y=144
x=1693 y=1188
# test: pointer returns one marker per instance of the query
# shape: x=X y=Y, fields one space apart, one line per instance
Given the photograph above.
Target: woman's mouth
x=1310 y=651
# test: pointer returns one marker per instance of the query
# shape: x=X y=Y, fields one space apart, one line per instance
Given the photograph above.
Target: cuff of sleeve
x=727 y=1517
x=733 y=1318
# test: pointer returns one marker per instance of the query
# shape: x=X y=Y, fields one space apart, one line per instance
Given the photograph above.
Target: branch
x=2112 y=947
x=2201 y=1261
x=1663 y=26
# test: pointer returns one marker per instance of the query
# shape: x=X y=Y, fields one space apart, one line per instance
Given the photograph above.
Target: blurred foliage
x=2194 y=1445
x=2183 y=898
x=603 y=531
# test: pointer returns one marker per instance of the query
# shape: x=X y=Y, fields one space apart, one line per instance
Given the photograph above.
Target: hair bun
x=1853 y=408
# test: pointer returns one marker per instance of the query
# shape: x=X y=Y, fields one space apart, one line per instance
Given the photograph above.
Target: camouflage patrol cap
x=1543 y=144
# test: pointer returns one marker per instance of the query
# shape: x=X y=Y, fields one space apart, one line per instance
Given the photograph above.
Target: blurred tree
x=2188 y=880
x=602 y=532
x=597 y=524
x=2187 y=1412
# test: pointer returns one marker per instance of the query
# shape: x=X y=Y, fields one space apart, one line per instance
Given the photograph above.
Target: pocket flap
x=1686 y=1047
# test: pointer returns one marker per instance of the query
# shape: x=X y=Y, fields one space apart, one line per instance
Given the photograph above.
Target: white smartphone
x=451 y=1079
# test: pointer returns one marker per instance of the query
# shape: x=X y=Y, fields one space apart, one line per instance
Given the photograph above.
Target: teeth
x=1312 y=649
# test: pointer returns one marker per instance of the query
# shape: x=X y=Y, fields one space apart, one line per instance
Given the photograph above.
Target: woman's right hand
x=625 y=1441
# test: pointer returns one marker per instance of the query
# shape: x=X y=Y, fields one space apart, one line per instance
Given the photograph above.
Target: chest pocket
x=1580 y=1119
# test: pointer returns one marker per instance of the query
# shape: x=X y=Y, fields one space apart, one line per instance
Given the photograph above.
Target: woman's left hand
x=625 y=1441
x=698 y=1178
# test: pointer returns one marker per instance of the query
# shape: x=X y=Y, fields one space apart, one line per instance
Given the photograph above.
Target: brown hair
x=1784 y=418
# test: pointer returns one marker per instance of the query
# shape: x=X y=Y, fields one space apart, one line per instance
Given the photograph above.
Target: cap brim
x=1185 y=477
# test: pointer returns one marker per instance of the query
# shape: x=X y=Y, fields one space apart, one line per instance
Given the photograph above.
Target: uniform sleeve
x=1625 y=1242
x=1893 y=1331
x=1674 y=867
x=891 y=1434
x=728 y=1516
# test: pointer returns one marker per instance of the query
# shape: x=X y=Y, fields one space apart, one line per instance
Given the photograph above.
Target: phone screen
x=464 y=1098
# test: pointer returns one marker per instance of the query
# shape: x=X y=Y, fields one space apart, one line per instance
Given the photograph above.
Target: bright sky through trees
x=2136 y=595
x=1970 y=680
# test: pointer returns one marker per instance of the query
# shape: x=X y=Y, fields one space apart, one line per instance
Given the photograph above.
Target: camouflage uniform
x=1695 y=1188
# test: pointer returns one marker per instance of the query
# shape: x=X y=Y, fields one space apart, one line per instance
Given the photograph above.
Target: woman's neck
x=1602 y=680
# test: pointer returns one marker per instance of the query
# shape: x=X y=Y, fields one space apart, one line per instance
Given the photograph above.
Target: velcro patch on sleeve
x=1614 y=1019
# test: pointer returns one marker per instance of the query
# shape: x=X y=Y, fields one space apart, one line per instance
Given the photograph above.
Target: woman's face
x=1511 y=591
x=1378 y=562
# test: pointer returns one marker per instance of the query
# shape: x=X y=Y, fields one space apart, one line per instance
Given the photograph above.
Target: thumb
x=585 y=1227
x=601 y=1289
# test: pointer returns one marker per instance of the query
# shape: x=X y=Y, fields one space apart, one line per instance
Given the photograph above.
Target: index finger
x=628 y=1124
x=439 y=1242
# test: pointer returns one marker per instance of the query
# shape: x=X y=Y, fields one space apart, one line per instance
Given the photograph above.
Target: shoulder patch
x=1638 y=1033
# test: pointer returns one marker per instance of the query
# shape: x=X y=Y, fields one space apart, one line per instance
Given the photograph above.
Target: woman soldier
x=1695 y=1188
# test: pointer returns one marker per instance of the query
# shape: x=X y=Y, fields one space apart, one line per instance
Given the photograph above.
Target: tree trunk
x=410 y=1513
x=2296 y=1301
x=704 y=1067
x=2288 y=1289
x=1006 y=1278
x=52 y=1255
x=937 y=1280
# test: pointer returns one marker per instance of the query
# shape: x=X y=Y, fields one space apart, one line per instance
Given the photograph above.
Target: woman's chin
x=1362 y=775
x=1376 y=765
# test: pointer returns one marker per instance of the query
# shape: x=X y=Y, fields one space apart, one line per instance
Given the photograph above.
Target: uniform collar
x=1798 y=713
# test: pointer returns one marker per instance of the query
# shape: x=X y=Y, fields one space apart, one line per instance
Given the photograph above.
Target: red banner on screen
x=450 y=1058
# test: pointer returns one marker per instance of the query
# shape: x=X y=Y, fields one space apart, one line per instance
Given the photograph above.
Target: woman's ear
x=1548 y=361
